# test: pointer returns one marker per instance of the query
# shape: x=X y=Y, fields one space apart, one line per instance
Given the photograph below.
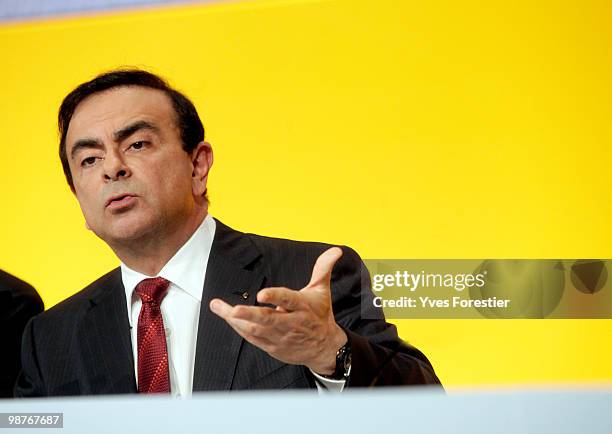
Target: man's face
x=132 y=178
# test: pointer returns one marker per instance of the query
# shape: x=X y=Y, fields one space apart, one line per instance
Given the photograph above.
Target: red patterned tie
x=153 y=374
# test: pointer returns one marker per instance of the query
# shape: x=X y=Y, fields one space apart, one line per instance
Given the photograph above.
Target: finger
x=286 y=298
x=321 y=272
x=242 y=328
x=221 y=308
x=261 y=343
x=257 y=314
x=247 y=328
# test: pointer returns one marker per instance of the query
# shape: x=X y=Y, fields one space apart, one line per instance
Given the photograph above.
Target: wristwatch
x=343 y=363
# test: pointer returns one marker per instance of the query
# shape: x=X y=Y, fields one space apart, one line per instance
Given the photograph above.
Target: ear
x=202 y=160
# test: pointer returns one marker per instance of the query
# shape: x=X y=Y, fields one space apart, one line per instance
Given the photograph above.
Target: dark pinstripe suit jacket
x=82 y=346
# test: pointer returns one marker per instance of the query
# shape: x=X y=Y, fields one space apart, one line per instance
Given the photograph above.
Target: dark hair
x=187 y=119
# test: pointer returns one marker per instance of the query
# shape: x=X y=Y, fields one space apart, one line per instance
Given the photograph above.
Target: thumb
x=321 y=272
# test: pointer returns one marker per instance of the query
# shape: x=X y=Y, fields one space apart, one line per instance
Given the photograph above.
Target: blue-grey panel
x=23 y=9
x=408 y=410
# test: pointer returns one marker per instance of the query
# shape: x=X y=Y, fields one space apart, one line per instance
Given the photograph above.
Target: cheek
x=86 y=208
x=163 y=183
x=156 y=191
x=176 y=182
x=88 y=201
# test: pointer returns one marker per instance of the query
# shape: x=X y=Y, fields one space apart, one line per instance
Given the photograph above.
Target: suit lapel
x=233 y=275
x=104 y=337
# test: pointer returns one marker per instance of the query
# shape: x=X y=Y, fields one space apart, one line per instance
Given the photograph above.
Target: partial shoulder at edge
x=81 y=299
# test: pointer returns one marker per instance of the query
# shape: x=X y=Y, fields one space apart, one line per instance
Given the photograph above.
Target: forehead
x=101 y=114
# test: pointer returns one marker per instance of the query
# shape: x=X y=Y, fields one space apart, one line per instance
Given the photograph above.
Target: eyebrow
x=118 y=136
x=130 y=129
x=81 y=144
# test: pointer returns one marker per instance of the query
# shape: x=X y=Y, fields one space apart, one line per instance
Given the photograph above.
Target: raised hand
x=301 y=329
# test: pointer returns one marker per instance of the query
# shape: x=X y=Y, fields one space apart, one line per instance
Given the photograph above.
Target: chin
x=124 y=232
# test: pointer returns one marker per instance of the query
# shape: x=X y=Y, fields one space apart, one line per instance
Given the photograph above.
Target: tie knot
x=153 y=290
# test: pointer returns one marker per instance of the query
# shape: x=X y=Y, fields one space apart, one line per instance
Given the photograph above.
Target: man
x=19 y=302
x=194 y=305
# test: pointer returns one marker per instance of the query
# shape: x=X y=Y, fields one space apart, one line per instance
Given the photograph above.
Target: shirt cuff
x=328 y=385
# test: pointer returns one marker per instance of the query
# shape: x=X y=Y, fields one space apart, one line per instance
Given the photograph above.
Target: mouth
x=120 y=201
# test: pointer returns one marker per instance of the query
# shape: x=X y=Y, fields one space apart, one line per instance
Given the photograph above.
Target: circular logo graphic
x=589 y=275
x=534 y=287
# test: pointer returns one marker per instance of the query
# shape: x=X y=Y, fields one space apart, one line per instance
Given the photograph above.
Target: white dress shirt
x=181 y=309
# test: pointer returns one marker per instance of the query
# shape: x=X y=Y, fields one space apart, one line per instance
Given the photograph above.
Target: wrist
x=328 y=364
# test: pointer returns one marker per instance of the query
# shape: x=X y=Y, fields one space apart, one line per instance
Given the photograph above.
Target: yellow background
x=434 y=129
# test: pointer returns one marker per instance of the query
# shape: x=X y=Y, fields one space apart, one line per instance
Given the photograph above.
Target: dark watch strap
x=343 y=363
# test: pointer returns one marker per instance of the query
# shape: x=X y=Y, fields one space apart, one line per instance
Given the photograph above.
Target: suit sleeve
x=19 y=302
x=379 y=356
x=29 y=383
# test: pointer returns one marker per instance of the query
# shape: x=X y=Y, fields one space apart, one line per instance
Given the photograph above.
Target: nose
x=115 y=166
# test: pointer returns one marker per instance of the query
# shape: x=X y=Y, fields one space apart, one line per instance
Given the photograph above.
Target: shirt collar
x=186 y=269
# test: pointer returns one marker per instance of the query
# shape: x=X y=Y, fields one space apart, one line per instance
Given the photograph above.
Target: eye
x=89 y=161
x=138 y=145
